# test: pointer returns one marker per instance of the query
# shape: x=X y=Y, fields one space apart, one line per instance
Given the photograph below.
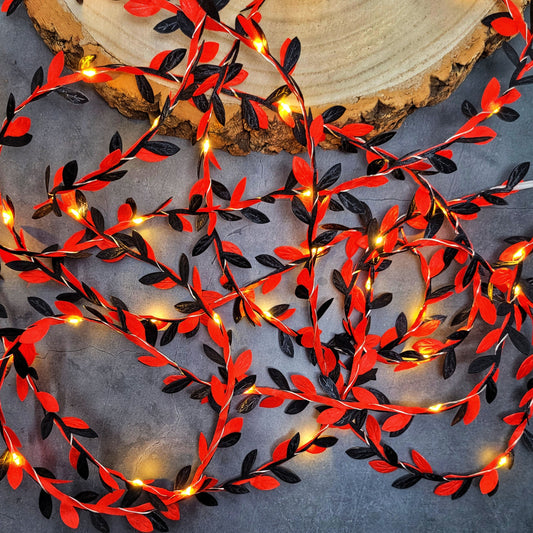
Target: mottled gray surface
x=147 y=434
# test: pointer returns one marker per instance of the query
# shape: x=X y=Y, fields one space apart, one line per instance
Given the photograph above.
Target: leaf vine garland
x=339 y=367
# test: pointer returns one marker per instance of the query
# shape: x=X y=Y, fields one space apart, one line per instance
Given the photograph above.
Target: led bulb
x=74 y=320
x=435 y=408
x=517 y=290
x=137 y=482
x=138 y=220
x=259 y=45
x=519 y=255
x=75 y=213
x=155 y=123
x=502 y=461
x=216 y=319
x=16 y=459
x=266 y=314
x=368 y=284
x=205 y=146
x=379 y=240
x=7 y=216
x=307 y=192
x=89 y=72
x=251 y=390
x=189 y=491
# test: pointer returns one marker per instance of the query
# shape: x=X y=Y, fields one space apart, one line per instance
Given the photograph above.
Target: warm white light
x=155 y=123
x=307 y=192
x=138 y=220
x=137 y=483
x=502 y=461
x=285 y=107
x=251 y=390
x=216 y=318
x=266 y=314
x=189 y=491
x=519 y=254
x=74 y=320
x=379 y=240
x=259 y=45
x=89 y=72
x=205 y=146
x=16 y=459
x=435 y=408
x=517 y=290
x=7 y=216
x=368 y=284
x=75 y=213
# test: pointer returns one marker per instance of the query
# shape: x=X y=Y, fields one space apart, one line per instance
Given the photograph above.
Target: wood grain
x=381 y=59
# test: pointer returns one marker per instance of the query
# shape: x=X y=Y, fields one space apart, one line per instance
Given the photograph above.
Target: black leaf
x=3 y=312
x=325 y=238
x=285 y=343
x=491 y=390
x=292 y=55
x=42 y=211
x=375 y=166
x=493 y=199
x=153 y=278
x=37 y=80
x=460 y=316
x=172 y=60
x=218 y=108
x=284 y=474
x=442 y=164
x=203 y=244
x=401 y=325
x=329 y=387
x=163 y=148
x=278 y=310
x=299 y=210
x=323 y=308
x=10 y=108
x=110 y=253
x=169 y=334
x=296 y=406
x=450 y=364
x=229 y=440
x=481 y=363
x=40 y=305
x=182 y=477
x=158 y=523
x=188 y=307
x=145 y=88
x=255 y=215
x=72 y=96
x=249 y=403
x=406 y=481
x=45 y=504
x=330 y=177
x=333 y=113
x=177 y=385
x=237 y=260
x=249 y=115
x=206 y=499
x=213 y=355
x=99 y=522
x=279 y=379
x=462 y=489
x=350 y=202
x=98 y=220
x=82 y=466
x=220 y=190
x=115 y=143
x=382 y=138
x=507 y=114
x=468 y=109
x=361 y=453
x=248 y=463
x=459 y=415
x=511 y=53
x=16 y=142
x=325 y=442
x=434 y=225
x=47 y=424
x=520 y=341
x=517 y=174
x=269 y=261
x=86 y=496
x=168 y=25
x=380 y=301
x=338 y=282
x=292 y=447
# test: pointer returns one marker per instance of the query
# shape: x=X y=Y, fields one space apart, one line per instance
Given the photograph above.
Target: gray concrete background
x=147 y=434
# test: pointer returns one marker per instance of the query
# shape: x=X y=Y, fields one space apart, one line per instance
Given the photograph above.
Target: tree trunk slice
x=381 y=60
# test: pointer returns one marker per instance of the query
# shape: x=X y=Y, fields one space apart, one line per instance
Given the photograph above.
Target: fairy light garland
x=339 y=367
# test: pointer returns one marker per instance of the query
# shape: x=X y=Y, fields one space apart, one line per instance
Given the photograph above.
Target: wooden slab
x=381 y=59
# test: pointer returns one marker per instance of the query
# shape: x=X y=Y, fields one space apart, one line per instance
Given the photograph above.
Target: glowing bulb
x=138 y=220
x=216 y=319
x=137 y=482
x=153 y=320
x=16 y=459
x=251 y=390
x=519 y=254
x=7 y=216
x=307 y=192
x=205 y=146
x=517 y=290
x=155 y=123
x=266 y=314
x=494 y=108
x=379 y=240
x=74 y=320
x=285 y=107
x=86 y=61
x=89 y=72
x=435 y=408
x=75 y=213
x=502 y=461
x=189 y=491
x=259 y=45
x=368 y=284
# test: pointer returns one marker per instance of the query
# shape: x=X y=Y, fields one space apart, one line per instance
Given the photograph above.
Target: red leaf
x=514 y=419
x=422 y=463
x=488 y=482
x=472 y=409
x=271 y=402
x=289 y=253
x=264 y=482
x=202 y=447
x=448 y=488
x=373 y=430
x=317 y=130
x=141 y=8
x=505 y=26
x=67 y=308
x=56 y=66
x=18 y=127
x=209 y=52
x=490 y=94
x=396 y=422
x=148 y=360
x=381 y=466
x=14 y=475
x=303 y=384
x=22 y=388
x=488 y=340
x=261 y=115
x=525 y=368
x=188 y=324
x=149 y=157
x=73 y=422
x=34 y=276
x=140 y=522
x=302 y=172
x=242 y=363
x=48 y=401
x=330 y=416
x=36 y=332
x=69 y=515
x=356 y=130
